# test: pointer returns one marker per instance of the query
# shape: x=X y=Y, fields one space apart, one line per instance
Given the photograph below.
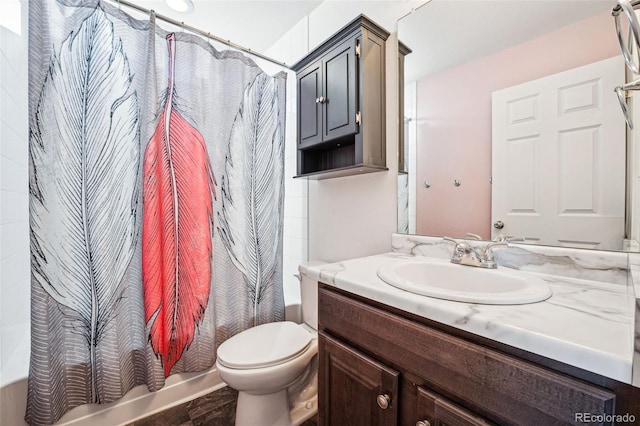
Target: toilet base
x=303 y=410
x=267 y=410
x=247 y=413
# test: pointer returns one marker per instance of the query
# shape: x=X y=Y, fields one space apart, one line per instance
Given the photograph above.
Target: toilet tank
x=309 y=295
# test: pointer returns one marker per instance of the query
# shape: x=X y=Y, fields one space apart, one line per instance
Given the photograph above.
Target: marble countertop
x=585 y=323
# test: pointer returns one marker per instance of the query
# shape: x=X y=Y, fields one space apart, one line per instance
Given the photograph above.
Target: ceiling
x=458 y=31
x=255 y=24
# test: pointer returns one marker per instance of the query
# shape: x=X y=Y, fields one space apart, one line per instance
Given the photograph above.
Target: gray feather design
x=84 y=172
x=250 y=223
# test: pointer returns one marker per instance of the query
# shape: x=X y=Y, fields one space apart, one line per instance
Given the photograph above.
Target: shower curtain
x=156 y=192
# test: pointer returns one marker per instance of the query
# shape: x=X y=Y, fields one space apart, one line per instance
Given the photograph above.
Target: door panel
x=558 y=146
x=310 y=111
x=350 y=383
x=340 y=91
x=441 y=412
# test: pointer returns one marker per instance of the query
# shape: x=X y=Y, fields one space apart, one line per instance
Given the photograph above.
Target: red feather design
x=177 y=230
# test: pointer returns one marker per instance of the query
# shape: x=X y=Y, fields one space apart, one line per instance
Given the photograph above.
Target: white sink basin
x=445 y=280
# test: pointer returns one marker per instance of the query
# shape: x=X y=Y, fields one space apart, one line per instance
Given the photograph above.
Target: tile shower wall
x=14 y=197
x=14 y=213
x=293 y=45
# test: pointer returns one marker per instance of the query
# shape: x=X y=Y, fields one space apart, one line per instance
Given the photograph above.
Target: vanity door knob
x=383 y=401
x=423 y=423
x=317 y=100
x=499 y=224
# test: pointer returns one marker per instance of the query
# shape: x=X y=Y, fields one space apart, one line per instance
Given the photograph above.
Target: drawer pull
x=423 y=423
x=383 y=401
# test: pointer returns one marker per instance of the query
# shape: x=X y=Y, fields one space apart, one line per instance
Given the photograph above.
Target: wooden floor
x=215 y=409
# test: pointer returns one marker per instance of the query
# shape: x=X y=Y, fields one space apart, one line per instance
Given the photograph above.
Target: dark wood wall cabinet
x=341 y=127
x=382 y=366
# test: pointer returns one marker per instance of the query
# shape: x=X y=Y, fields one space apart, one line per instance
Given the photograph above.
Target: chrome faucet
x=466 y=254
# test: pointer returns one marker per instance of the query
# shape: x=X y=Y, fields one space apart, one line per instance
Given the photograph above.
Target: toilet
x=274 y=367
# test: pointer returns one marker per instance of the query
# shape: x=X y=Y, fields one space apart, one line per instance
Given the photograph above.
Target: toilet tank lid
x=264 y=345
x=303 y=267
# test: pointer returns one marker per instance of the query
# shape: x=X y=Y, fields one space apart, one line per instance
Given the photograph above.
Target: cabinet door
x=434 y=410
x=350 y=385
x=309 y=106
x=340 y=103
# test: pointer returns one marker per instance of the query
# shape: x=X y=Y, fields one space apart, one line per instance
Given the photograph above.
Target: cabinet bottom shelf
x=342 y=171
x=338 y=158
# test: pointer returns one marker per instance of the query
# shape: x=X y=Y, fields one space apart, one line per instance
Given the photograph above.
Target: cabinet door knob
x=383 y=401
x=317 y=100
x=423 y=423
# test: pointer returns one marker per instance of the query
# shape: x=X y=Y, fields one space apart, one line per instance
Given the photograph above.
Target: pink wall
x=454 y=121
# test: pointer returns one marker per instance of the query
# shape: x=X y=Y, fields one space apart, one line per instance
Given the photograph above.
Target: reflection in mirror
x=512 y=125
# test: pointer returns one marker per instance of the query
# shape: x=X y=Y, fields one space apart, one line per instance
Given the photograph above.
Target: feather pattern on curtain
x=104 y=205
x=251 y=202
x=179 y=188
x=83 y=214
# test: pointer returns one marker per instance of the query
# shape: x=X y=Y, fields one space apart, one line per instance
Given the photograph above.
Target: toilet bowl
x=274 y=367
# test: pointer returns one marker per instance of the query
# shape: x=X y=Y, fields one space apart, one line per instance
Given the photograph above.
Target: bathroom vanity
x=390 y=357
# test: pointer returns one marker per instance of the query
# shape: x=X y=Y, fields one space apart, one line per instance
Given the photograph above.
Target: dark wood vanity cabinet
x=341 y=103
x=356 y=387
x=379 y=365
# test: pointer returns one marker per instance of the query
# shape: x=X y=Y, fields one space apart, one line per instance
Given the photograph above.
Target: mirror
x=512 y=126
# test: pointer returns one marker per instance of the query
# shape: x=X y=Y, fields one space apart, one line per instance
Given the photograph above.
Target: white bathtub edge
x=139 y=402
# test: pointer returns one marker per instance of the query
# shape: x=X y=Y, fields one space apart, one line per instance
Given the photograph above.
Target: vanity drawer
x=500 y=387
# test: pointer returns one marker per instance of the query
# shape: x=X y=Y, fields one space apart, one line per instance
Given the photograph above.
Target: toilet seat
x=265 y=345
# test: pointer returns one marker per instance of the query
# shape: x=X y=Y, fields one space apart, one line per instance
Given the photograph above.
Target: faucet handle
x=474 y=236
x=461 y=251
x=488 y=250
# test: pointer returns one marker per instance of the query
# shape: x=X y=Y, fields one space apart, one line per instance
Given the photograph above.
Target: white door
x=558 y=158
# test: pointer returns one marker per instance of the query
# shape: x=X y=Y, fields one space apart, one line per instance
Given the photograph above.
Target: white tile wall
x=295 y=243
x=14 y=199
x=293 y=45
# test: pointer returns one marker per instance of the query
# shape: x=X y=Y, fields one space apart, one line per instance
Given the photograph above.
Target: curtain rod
x=199 y=31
